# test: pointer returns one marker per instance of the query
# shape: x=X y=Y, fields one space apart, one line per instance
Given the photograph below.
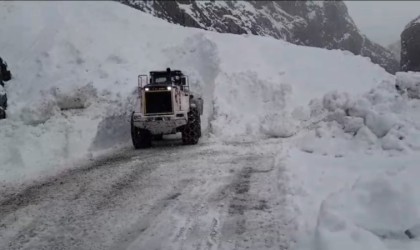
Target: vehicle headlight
x=169 y=88
x=146 y=89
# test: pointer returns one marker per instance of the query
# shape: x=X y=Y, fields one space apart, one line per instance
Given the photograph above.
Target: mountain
x=311 y=23
x=395 y=48
x=410 y=49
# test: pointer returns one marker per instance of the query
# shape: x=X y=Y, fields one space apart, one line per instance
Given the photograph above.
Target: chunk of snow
x=380 y=124
x=335 y=100
x=409 y=82
x=359 y=108
x=366 y=135
x=372 y=210
x=338 y=116
x=278 y=126
x=334 y=231
x=352 y=124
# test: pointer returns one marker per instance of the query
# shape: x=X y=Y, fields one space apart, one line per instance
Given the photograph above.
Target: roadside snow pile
x=382 y=118
x=55 y=100
x=409 y=83
x=362 y=153
x=356 y=201
x=375 y=213
x=53 y=134
x=265 y=85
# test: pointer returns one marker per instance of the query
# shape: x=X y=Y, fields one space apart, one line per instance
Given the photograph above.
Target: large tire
x=192 y=130
x=141 y=138
x=158 y=137
x=7 y=76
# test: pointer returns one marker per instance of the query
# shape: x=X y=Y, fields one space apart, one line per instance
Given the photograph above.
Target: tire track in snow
x=257 y=217
x=211 y=196
x=80 y=197
x=231 y=212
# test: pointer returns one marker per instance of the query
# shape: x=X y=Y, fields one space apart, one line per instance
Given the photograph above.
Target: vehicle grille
x=159 y=102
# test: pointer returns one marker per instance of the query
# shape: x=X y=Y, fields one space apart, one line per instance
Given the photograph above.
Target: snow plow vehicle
x=165 y=105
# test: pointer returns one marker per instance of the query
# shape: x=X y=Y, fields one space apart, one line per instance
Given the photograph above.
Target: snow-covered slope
x=395 y=48
x=324 y=24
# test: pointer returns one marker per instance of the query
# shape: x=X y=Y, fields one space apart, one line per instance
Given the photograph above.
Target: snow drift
x=76 y=66
x=362 y=154
x=371 y=211
x=386 y=117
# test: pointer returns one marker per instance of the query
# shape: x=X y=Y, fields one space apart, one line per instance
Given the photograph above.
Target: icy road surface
x=208 y=196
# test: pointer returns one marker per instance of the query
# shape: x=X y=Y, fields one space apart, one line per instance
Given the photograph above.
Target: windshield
x=163 y=79
x=160 y=80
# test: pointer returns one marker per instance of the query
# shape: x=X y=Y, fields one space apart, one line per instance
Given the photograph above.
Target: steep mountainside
x=410 y=46
x=311 y=23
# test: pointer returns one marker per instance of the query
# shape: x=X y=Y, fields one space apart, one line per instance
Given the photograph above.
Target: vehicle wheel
x=141 y=137
x=192 y=130
x=158 y=137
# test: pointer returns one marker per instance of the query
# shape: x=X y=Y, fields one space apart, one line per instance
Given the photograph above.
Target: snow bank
x=76 y=65
x=362 y=153
x=363 y=199
x=409 y=83
x=274 y=78
x=257 y=86
x=372 y=211
x=383 y=118
x=53 y=134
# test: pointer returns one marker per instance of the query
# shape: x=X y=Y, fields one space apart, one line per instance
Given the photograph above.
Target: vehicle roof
x=165 y=73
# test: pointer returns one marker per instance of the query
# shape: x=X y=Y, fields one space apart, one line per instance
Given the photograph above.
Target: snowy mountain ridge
x=413 y=22
x=324 y=24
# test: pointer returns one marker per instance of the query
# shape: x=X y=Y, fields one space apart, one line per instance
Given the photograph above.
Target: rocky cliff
x=410 y=46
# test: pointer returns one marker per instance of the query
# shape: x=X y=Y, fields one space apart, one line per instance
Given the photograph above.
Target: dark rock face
x=324 y=24
x=410 y=46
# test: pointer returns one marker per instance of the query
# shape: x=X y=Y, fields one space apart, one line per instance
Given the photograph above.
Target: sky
x=383 y=21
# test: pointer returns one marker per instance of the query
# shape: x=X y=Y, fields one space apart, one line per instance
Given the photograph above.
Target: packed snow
x=351 y=130
x=362 y=190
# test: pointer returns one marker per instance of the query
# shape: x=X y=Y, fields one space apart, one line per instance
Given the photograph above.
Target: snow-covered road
x=211 y=196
